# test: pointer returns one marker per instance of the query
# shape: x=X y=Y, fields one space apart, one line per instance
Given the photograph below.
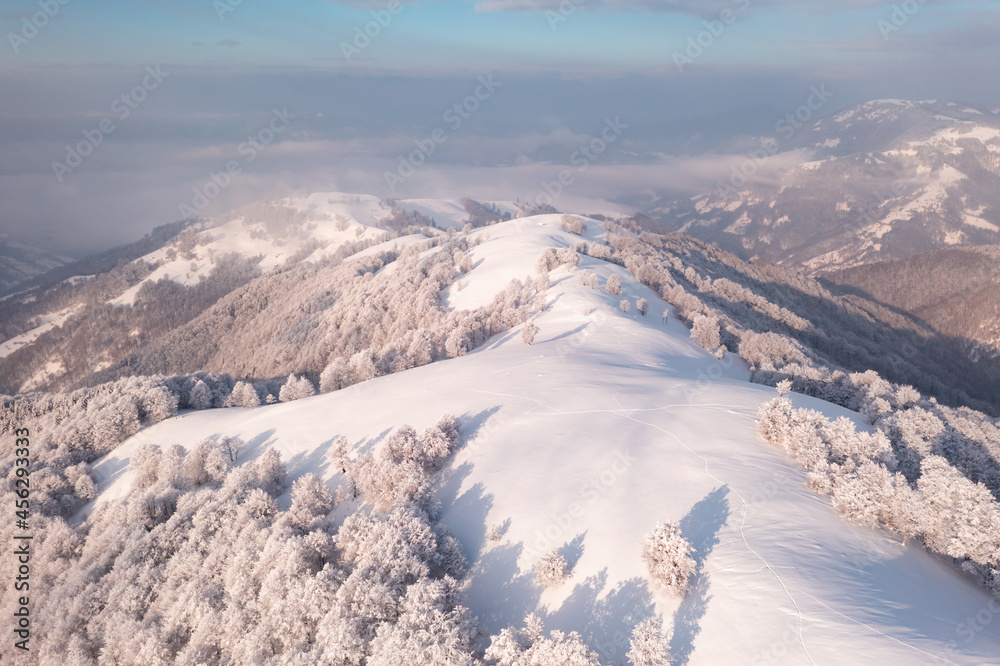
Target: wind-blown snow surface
x=606 y=425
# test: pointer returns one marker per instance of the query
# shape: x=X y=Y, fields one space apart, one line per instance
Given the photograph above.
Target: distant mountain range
x=883 y=180
x=20 y=262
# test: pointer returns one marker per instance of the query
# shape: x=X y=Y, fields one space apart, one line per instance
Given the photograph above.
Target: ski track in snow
x=746 y=509
x=882 y=633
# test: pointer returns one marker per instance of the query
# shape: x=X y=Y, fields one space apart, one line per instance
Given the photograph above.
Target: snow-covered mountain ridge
x=608 y=423
x=212 y=256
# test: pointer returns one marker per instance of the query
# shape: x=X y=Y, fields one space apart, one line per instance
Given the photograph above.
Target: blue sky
x=450 y=35
x=565 y=66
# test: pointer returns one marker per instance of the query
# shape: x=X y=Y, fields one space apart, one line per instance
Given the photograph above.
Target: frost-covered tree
x=270 y=472
x=573 y=224
x=206 y=463
x=201 y=396
x=614 y=285
x=244 y=395
x=546 y=261
x=529 y=647
x=311 y=501
x=158 y=403
x=668 y=556
x=773 y=420
x=642 y=306
x=385 y=483
x=874 y=496
x=624 y=305
x=528 y=333
x=85 y=488
x=648 y=645
x=960 y=519
x=337 y=454
x=145 y=464
x=403 y=444
x=496 y=531
x=431 y=629
x=170 y=472
x=705 y=331
x=421 y=349
x=296 y=388
x=336 y=375
x=232 y=447
x=113 y=419
x=551 y=569
x=363 y=366
x=436 y=444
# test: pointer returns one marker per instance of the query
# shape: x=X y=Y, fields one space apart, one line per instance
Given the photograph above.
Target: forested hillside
x=956 y=291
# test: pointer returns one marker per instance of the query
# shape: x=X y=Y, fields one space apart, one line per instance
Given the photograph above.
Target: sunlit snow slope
x=606 y=425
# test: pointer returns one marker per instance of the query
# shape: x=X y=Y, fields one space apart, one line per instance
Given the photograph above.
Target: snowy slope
x=324 y=219
x=328 y=219
x=45 y=324
x=608 y=424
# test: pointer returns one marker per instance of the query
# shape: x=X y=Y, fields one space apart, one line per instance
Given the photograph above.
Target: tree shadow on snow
x=470 y=425
x=604 y=618
x=108 y=471
x=568 y=333
x=255 y=446
x=302 y=463
x=572 y=551
x=465 y=514
x=367 y=444
x=497 y=340
x=511 y=594
x=701 y=526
